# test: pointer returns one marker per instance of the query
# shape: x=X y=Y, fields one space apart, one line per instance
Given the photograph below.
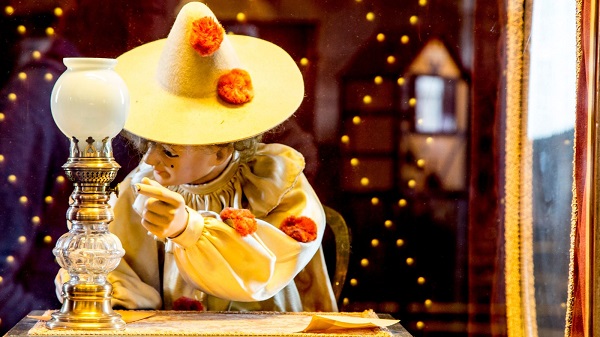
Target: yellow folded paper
x=334 y=322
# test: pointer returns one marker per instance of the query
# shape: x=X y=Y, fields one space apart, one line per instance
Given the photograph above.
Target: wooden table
x=178 y=319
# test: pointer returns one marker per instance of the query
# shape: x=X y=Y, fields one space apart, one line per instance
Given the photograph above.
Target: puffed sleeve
x=218 y=260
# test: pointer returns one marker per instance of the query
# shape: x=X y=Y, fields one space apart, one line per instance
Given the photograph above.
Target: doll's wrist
x=192 y=231
x=183 y=228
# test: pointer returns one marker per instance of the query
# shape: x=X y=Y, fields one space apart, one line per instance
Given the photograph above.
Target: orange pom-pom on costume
x=242 y=220
x=186 y=303
x=235 y=87
x=207 y=35
x=302 y=229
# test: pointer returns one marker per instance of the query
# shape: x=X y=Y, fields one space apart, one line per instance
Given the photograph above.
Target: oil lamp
x=89 y=104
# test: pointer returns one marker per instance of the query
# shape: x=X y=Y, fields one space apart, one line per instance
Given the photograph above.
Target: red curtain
x=487 y=314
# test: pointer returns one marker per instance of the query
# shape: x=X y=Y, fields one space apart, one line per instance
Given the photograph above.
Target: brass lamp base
x=86 y=307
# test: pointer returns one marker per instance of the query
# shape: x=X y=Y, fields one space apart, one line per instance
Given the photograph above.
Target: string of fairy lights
x=346 y=140
x=13 y=98
x=365 y=180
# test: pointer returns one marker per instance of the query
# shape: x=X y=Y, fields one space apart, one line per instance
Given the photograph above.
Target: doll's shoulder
x=276 y=159
x=268 y=178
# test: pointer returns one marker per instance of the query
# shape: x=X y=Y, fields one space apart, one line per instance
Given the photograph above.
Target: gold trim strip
x=575 y=202
x=512 y=235
x=527 y=265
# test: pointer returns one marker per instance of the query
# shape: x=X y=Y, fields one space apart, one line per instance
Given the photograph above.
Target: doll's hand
x=164 y=213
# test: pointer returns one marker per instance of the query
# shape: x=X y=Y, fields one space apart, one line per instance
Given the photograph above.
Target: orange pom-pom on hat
x=235 y=87
x=206 y=35
x=302 y=229
x=242 y=220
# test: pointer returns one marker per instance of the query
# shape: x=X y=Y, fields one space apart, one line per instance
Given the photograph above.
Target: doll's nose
x=152 y=156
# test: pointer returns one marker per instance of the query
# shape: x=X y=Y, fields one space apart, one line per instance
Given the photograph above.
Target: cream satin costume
x=213 y=263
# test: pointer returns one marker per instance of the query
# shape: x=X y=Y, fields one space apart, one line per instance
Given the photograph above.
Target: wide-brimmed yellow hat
x=201 y=86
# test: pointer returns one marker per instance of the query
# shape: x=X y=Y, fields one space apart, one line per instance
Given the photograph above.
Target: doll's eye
x=170 y=154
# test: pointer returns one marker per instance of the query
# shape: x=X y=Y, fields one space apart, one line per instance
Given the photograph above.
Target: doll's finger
x=148 y=190
x=159 y=206
x=159 y=193
x=158 y=219
x=152 y=227
x=158 y=230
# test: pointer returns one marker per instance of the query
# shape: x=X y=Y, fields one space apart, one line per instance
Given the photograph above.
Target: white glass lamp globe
x=90 y=99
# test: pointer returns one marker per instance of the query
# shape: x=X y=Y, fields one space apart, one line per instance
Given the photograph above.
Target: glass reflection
x=550 y=129
x=435 y=111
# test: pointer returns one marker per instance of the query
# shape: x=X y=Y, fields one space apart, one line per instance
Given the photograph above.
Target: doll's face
x=179 y=164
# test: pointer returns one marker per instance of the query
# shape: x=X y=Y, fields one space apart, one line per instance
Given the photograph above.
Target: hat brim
x=158 y=115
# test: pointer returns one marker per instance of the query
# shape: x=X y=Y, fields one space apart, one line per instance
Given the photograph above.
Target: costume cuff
x=192 y=232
